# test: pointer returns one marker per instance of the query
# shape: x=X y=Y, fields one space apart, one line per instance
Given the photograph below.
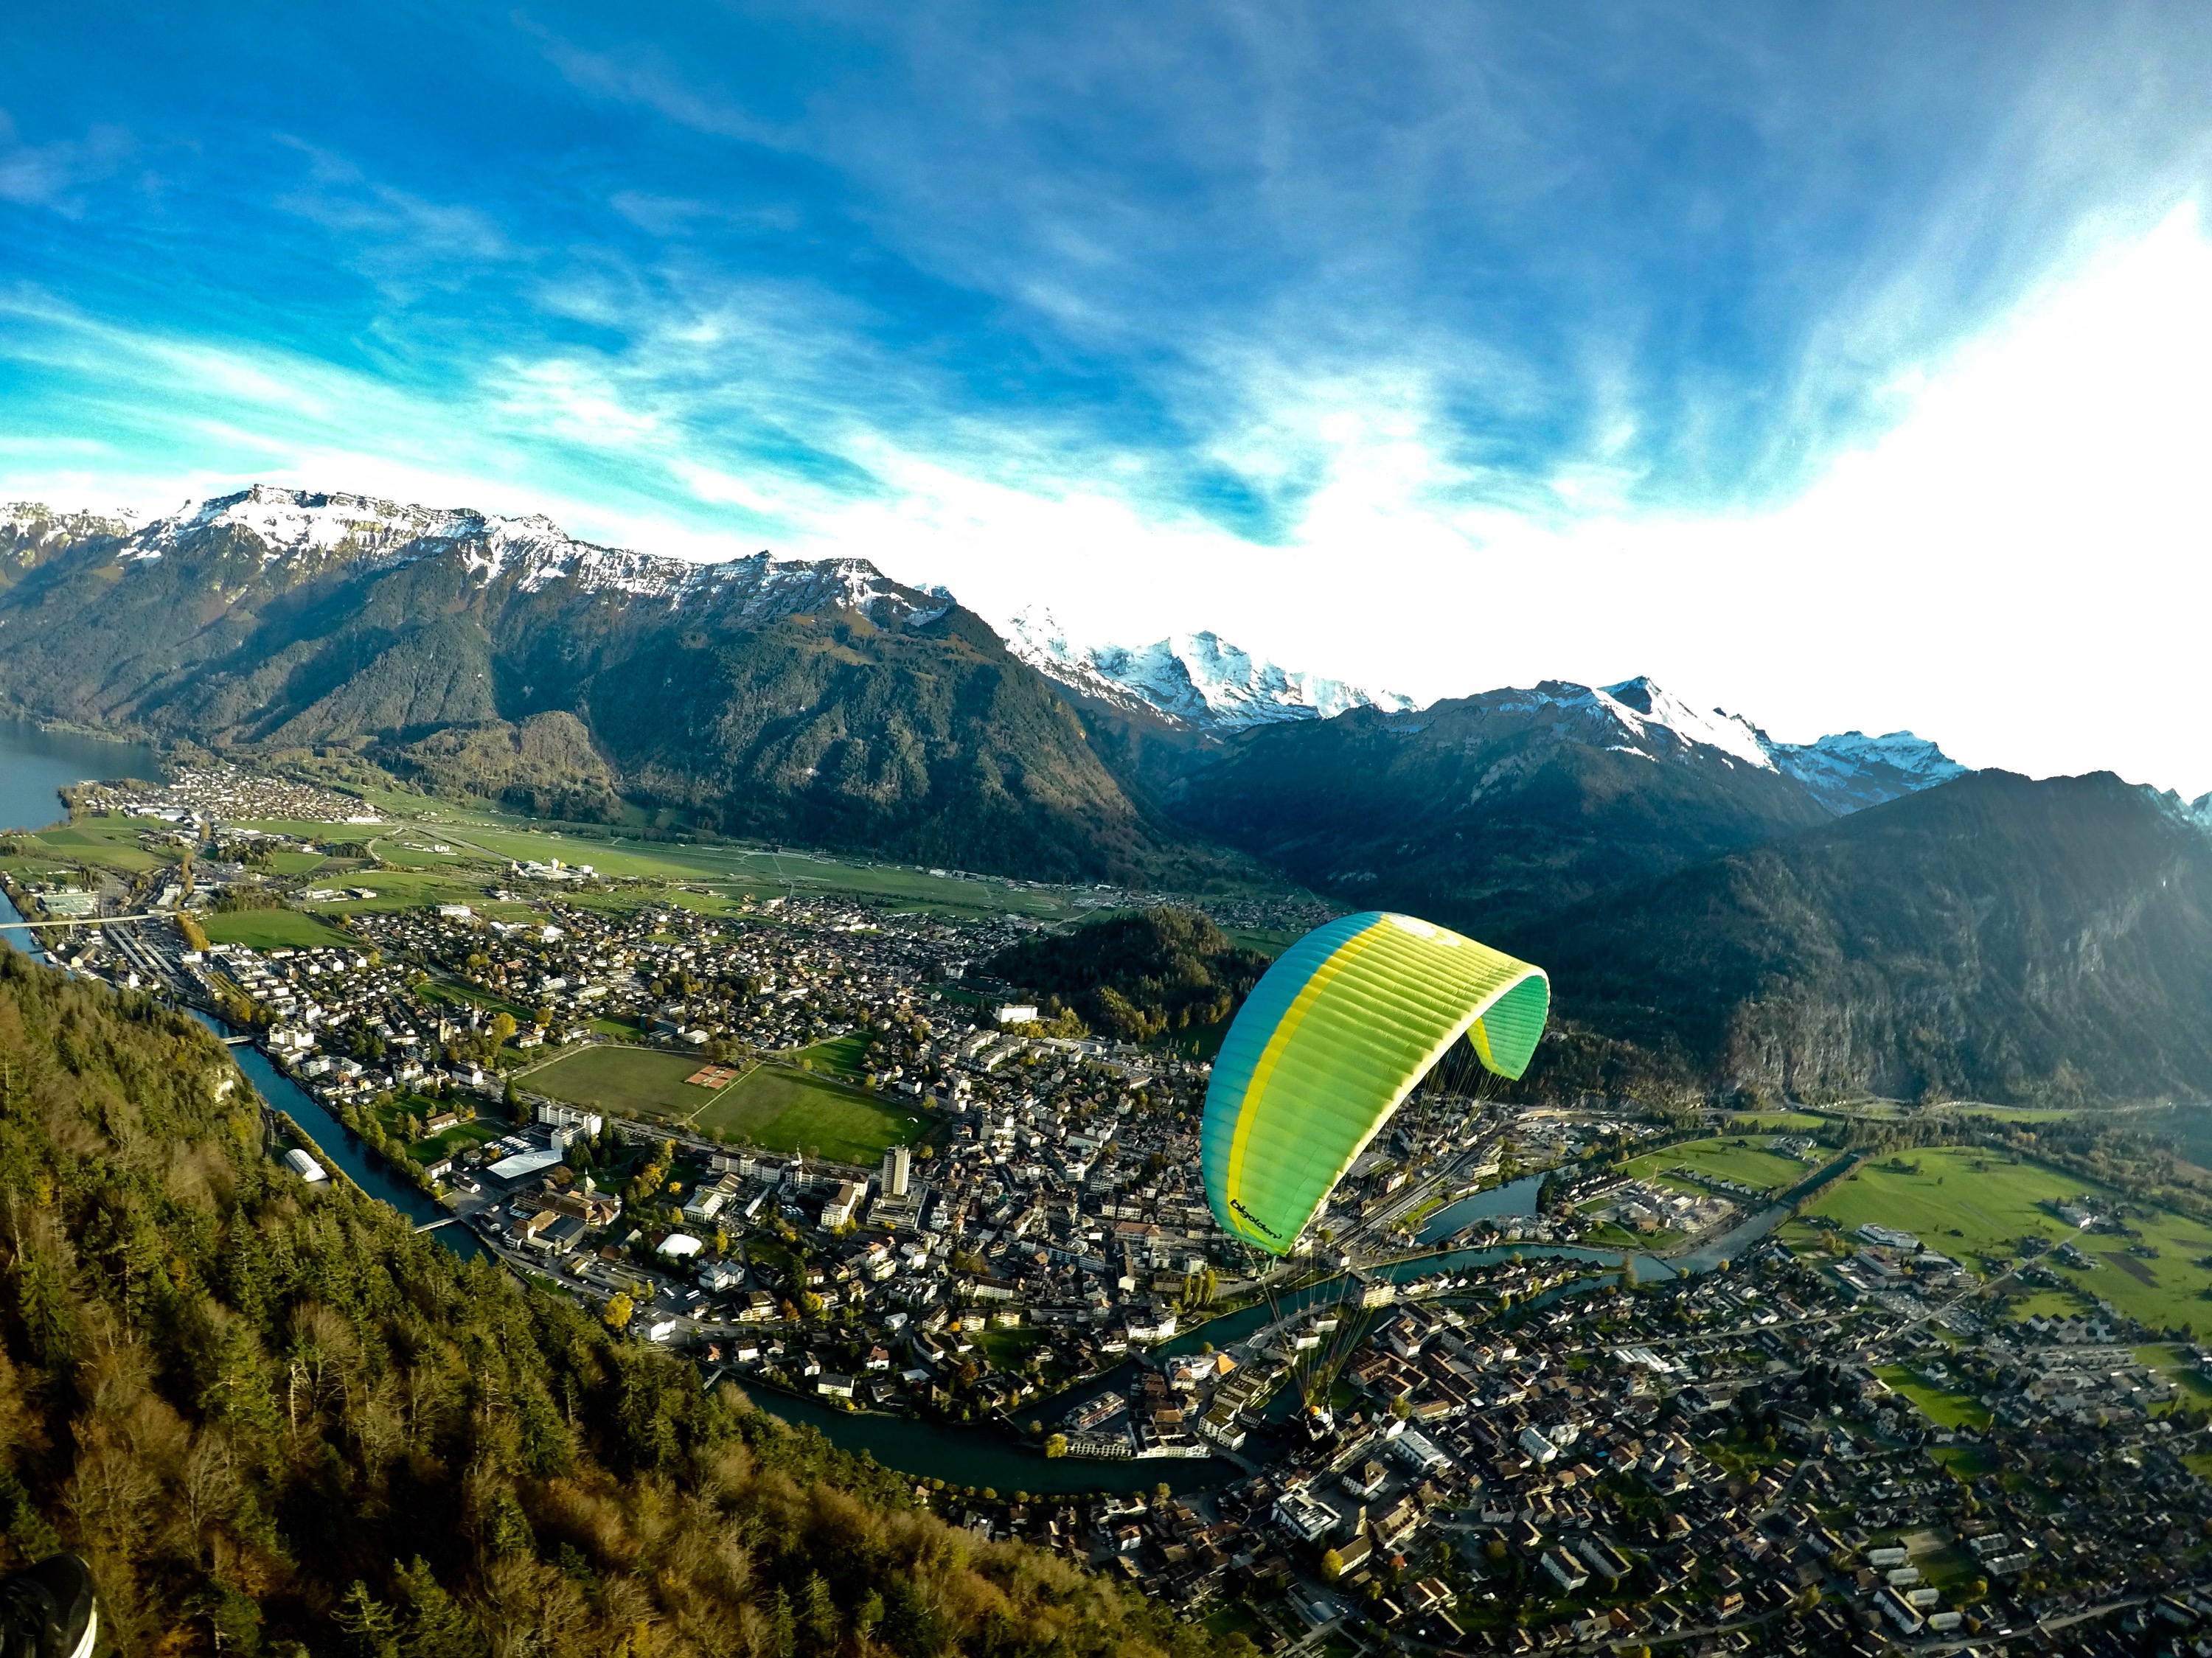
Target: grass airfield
x=774 y=1107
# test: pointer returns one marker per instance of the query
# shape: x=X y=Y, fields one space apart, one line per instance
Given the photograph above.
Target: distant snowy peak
x=26 y=524
x=1852 y=770
x=306 y=528
x=1644 y=708
x=1196 y=680
x=1844 y=773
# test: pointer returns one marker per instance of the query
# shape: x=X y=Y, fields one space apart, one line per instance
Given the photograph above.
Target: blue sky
x=1841 y=364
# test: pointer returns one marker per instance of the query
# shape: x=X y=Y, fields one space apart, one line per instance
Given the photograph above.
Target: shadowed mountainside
x=1995 y=937
x=816 y=702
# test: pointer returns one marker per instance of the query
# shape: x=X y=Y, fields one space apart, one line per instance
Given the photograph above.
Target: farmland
x=1965 y=1202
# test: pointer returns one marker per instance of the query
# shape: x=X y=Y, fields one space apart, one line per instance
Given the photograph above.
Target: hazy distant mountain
x=1488 y=809
x=1995 y=939
x=1197 y=681
x=816 y=701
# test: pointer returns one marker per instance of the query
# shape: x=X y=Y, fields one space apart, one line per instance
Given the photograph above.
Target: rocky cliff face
x=1994 y=938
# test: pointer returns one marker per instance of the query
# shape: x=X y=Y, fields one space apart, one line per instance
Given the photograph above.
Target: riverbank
x=342 y=1150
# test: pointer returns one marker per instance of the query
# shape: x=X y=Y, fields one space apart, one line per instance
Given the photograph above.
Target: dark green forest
x=1135 y=976
x=276 y=1419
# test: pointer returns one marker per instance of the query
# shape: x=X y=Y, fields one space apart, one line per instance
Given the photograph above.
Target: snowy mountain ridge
x=306 y=529
x=1201 y=682
x=1193 y=681
x=1197 y=680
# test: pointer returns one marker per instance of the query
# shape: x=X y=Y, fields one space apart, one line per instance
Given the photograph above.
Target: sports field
x=635 y=1080
x=269 y=929
x=771 y=1107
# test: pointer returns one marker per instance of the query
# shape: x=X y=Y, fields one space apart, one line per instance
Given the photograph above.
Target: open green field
x=797 y=1111
x=1965 y=1202
x=634 y=1079
x=1962 y=1199
x=113 y=841
x=841 y=1056
x=271 y=929
x=295 y=863
x=780 y=1109
x=1945 y=1410
x=447 y=1141
x=765 y=874
x=405 y=889
x=1781 y=1123
x=1753 y=1164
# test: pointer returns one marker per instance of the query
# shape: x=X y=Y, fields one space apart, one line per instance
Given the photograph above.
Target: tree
x=371 y=1627
x=1332 y=1566
x=618 y=1312
x=1055 y=1445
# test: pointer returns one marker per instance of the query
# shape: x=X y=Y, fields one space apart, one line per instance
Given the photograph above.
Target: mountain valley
x=1823 y=890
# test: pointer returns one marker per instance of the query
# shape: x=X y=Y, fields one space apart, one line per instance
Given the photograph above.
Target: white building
x=573 y=1118
x=897 y=1169
x=838 y=1212
x=1308 y=1517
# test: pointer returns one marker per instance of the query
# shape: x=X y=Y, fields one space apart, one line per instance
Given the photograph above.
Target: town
x=1543 y=1376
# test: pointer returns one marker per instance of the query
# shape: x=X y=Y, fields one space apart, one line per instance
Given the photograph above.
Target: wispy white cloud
x=51 y=174
x=641 y=74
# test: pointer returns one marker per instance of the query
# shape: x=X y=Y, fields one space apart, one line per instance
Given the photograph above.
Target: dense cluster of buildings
x=1508 y=1447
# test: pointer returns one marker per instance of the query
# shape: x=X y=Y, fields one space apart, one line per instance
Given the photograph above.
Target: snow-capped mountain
x=1198 y=680
x=1201 y=682
x=1850 y=769
x=28 y=528
x=1844 y=772
x=1643 y=710
x=309 y=530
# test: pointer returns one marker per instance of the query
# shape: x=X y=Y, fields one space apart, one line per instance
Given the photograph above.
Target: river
x=986 y=1454
x=340 y=1146
x=33 y=764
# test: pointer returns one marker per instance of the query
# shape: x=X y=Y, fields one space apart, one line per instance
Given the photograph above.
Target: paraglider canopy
x=1330 y=1042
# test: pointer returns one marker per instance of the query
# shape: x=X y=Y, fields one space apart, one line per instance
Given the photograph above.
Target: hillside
x=275 y=1419
x=1483 y=811
x=813 y=701
x=1994 y=938
x=1134 y=976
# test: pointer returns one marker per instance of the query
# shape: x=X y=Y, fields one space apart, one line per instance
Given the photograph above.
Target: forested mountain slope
x=1996 y=938
x=815 y=701
x=1134 y=976
x=276 y=1419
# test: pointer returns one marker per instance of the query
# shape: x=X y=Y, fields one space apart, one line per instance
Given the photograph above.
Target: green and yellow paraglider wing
x=1330 y=1042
